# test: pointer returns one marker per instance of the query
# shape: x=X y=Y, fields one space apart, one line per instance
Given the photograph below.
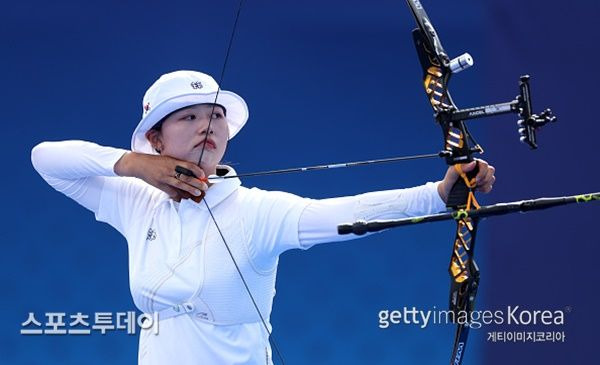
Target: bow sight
x=437 y=69
x=528 y=124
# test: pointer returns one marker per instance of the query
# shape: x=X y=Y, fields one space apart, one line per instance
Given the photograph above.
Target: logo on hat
x=196 y=85
x=147 y=107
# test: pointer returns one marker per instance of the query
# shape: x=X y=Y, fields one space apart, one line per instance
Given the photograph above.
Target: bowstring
x=262 y=319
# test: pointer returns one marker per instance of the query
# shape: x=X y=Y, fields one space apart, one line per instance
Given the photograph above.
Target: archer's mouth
x=207 y=144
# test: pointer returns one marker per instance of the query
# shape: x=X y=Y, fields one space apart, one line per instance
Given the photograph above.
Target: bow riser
x=436 y=76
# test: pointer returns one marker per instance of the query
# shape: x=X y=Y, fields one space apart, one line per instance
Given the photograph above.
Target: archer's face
x=185 y=132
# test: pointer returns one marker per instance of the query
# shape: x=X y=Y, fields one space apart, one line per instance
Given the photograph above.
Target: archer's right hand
x=159 y=171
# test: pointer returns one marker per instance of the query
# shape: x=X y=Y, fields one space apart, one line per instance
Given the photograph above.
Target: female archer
x=198 y=247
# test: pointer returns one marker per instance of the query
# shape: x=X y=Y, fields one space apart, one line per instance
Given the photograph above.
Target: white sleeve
x=273 y=220
x=319 y=220
x=84 y=171
x=76 y=168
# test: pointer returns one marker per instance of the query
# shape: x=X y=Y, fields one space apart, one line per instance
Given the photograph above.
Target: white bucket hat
x=179 y=89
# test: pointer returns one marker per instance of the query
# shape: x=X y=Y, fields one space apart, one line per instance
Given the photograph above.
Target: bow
x=460 y=145
x=437 y=70
x=459 y=148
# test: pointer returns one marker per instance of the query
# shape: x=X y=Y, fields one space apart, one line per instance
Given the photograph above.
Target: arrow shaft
x=214 y=179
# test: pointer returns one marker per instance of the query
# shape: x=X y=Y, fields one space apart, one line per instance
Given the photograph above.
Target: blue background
x=326 y=82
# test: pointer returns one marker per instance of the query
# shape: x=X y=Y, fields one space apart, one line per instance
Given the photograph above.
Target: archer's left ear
x=154 y=137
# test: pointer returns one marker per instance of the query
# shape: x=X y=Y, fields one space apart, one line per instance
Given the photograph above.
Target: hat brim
x=235 y=106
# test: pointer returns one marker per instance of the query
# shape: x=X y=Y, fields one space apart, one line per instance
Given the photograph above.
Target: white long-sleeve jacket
x=179 y=263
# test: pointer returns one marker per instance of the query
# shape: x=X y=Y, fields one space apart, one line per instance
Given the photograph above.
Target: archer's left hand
x=485 y=178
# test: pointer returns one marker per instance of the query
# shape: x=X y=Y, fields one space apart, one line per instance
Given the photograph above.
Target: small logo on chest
x=151 y=235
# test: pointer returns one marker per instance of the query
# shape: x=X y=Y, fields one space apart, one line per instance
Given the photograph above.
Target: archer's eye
x=189 y=117
x=217 y=115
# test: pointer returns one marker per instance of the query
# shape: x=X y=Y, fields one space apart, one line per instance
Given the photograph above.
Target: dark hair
x=158 y=126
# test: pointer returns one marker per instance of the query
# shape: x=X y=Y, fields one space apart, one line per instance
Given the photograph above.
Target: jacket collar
x=218 y=191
